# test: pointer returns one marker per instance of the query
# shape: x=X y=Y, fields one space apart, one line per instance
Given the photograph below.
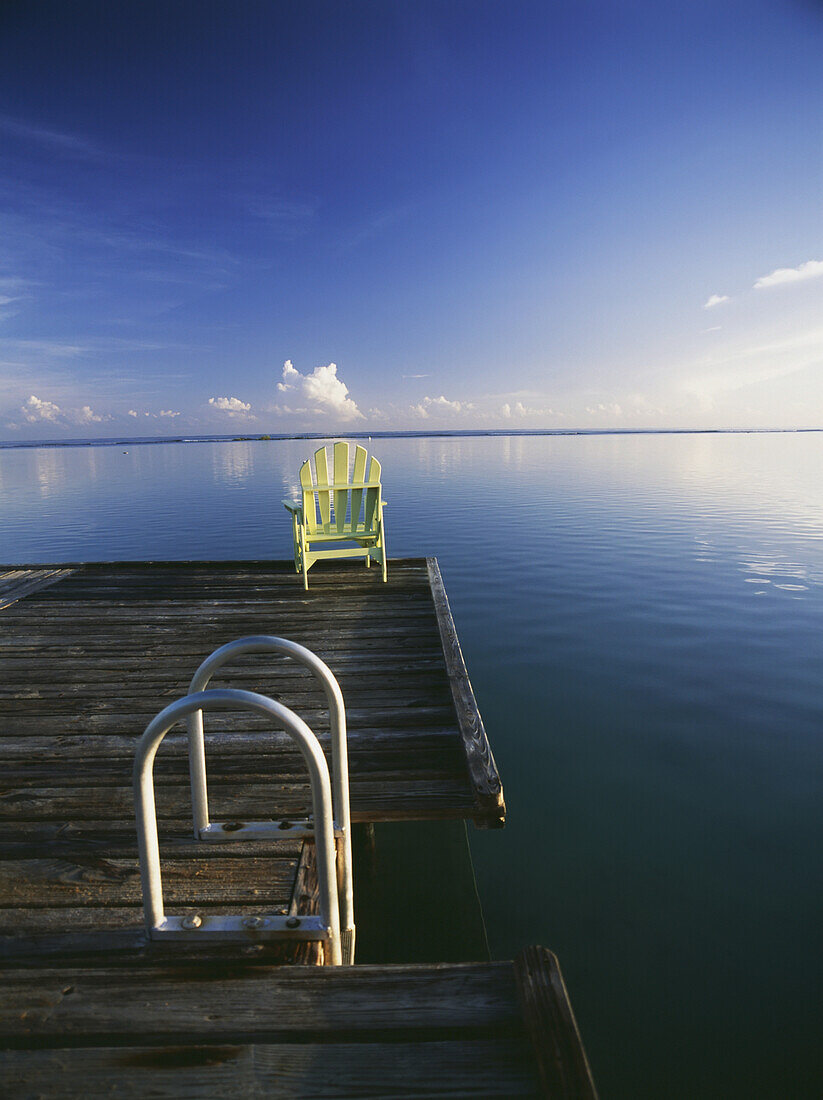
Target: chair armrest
x=295 y=509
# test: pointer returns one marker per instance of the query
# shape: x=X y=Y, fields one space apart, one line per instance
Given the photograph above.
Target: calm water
x=641 y=617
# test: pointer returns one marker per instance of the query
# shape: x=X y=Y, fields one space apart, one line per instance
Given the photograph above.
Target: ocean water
x=642 y=618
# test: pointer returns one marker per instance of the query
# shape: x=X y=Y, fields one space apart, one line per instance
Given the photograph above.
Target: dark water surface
x=642 y=617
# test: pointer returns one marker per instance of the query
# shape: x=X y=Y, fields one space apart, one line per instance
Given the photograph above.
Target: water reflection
x=50 y=471
x=233 y=462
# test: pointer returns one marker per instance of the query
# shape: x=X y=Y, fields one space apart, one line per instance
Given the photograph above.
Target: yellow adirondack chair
x=349 y=510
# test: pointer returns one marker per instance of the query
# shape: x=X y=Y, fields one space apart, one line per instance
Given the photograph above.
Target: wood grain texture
x=215 y=1027
x=86 y=662
x=476 y=1069
x=220 y=1002
x=17 y=583
x=551 y=1026
x=488 y=790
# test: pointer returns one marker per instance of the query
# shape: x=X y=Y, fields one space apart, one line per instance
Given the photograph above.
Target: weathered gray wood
x=95 y=655
x=488 y=790
x=476 y=1069
x=97 y=881
x=551 y=1026
x=162 y=1004
x=16 y=584
x=375 y=797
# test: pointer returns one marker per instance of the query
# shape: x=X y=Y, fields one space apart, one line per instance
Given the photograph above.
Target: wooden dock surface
x=90 y=653
x=88 y=1006
x=200 y=1028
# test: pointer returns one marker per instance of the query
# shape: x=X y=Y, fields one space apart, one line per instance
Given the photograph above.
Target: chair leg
x=303 y=560
x=296 y=540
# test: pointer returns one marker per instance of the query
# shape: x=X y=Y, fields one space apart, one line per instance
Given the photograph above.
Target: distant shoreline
x=139 y=441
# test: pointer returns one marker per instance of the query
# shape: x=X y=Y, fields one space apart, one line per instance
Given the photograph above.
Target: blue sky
x=266 y=217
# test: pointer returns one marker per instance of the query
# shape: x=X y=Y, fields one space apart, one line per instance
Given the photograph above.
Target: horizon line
x=407 y=433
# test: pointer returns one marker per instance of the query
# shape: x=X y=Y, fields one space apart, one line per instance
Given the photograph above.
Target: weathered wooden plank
x=263 y=747
x=475 y=1069
x=551 y=1026
x=305 y=900
x=390 y=797
x=93 y=880
x=97 y=926
x=117 y=936
x=163 y=1004
x=21 y=583
x=491 y=807
x=410 y=722
x=118 y=840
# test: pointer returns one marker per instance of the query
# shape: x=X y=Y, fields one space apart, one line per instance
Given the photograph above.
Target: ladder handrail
x=269 y=643
x=143 y=782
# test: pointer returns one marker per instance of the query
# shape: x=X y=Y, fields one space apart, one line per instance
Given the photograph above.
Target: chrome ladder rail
x=204 y=829
x=237 y=927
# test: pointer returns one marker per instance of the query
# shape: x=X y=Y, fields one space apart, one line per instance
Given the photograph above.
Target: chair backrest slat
x=372 y=495
x=309 y=506
x=323 y=494
x=358 y=475
x=341 y=477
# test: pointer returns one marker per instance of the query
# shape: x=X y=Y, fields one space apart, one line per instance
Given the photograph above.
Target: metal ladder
x=330 y=821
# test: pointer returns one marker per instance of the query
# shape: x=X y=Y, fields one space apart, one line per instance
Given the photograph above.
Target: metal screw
x=284 y=825
x=193 y=921
x=293 y=922
x=231 y=826
x=254 y=922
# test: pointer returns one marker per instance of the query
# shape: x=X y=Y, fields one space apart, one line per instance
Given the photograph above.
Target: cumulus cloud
x=322 y=391
x=233 y=406
x=169 y=413
x=605 y=409
x=715 y=300
x=519 y=410
x=811 y=269
x=133 y=412
x=439 y=406
x=35 y=409
x=87 y=415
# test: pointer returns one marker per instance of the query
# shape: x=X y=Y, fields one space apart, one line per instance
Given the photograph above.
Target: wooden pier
x=89 y=653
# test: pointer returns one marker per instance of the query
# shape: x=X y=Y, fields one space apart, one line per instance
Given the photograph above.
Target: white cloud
x=169 y=413
x=811 y=269
x=518 y=409
x=322 y=390
x=133 y=412
x=87 y=415
x=440 y=405
x=35 y=409
x=415 y=376
x=612 y=409
x=715 y=300
x=231 y=405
